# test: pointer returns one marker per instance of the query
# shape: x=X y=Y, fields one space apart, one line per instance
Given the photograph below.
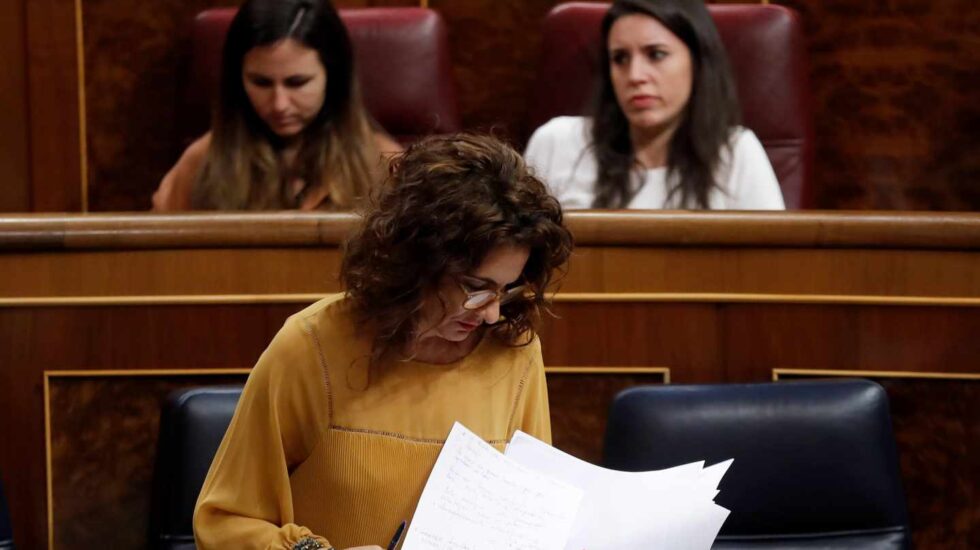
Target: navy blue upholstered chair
x=815 y=461
x=6 y=533
x=192 y=424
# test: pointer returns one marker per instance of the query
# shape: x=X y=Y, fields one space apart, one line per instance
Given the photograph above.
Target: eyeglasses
x=477 y=299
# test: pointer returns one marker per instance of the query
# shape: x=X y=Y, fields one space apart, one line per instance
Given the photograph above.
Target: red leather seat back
x=401 y=56
x=767 y=52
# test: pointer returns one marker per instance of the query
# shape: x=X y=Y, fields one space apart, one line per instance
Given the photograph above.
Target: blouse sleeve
x=174 y=192
x=558 y=153
x=539 y=155
x=246 y=501
x=533 y=414
x=752 y=183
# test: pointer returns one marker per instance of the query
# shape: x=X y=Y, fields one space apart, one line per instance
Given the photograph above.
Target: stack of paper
x=478 y=499
x=535 y=497
x=663 y=509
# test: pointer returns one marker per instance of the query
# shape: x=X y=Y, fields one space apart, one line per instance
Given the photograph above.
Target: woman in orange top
x=343 y=417
x=290 y=130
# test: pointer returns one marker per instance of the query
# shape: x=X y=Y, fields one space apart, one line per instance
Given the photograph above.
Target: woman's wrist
x=310 y=543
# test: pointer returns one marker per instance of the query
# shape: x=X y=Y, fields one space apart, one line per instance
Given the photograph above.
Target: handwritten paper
x=478 y=499
x=663 y=509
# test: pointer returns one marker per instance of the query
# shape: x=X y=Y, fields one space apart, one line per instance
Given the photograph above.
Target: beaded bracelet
x=309 y=543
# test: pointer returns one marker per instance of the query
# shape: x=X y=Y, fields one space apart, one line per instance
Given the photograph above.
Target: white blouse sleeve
x=539 y=154
x=752 y=184
x=557 y=153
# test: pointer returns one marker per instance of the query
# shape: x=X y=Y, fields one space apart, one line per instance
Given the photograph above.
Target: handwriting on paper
x=477 y=499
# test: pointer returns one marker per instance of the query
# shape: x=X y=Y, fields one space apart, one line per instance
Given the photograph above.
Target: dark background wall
x=896 y=114
x=892 y=82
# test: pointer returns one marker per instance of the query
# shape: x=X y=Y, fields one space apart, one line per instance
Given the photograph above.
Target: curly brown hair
x=447 y=202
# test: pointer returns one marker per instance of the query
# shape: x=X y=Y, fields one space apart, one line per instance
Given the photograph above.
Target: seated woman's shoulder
x=199 y=148
x=560 y=137
x=387 y=145
x=174 y=192
x=745 y=145
x=193 y=157
x=752 y=179
x=564 y=125
x=743 y=137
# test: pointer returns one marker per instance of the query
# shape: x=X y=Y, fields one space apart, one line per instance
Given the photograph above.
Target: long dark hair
x=706 y=121
x=448 y=202
x=338 y=149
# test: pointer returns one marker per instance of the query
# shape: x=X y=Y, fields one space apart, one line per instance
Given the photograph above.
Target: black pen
x=397 y=537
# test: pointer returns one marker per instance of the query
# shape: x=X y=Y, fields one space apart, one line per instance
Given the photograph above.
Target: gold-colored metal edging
x=755 y=298
x=570 y=297
x=106 y=373
x=776 y=373
x=185 y=299
x=82 y=119
x=611 y=369
x=47 y=462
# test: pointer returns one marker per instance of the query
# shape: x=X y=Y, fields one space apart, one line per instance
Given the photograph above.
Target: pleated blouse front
x=322 y=445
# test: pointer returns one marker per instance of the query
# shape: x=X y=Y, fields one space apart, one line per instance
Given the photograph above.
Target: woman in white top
x=664 y=131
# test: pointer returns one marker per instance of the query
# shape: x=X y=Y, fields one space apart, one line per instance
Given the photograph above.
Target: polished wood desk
x=102 y=316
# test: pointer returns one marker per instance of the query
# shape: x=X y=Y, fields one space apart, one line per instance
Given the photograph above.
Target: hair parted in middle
x=338 y=149
x=707 y=121
x=448 y=201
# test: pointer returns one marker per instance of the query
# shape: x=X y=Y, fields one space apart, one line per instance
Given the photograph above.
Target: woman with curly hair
x=664 y=130
x=345 y=413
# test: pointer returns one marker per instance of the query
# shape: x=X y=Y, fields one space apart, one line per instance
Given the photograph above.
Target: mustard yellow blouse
x=321 y=447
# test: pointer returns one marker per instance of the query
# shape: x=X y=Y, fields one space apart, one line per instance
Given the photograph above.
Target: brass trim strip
x=569 y=297
x=143 y=372
x=876 y=374
x=82 y=119
x=734 y=297
x=186 y=299
x=47 y=462
x=564 y=369
x=612 y=369
x=49 y=374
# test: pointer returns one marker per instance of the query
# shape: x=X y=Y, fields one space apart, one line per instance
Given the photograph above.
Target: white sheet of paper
x=664 y=509
x=477 y=499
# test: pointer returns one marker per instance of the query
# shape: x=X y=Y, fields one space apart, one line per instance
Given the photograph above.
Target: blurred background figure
x=290 y=129
x=664 y=130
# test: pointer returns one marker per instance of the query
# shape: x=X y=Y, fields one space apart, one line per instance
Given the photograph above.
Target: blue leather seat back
x=815 y=461
x=6 y=532
x=192 y=425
